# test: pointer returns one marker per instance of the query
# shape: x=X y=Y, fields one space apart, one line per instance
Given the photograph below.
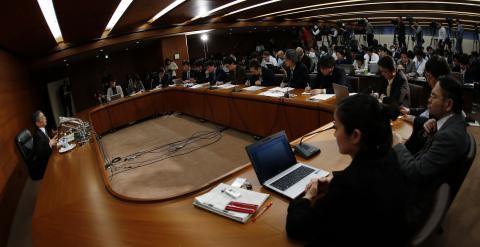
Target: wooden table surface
x=74 y=208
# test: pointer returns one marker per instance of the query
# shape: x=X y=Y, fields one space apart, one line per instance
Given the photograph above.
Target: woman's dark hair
x=387 y=63
x=451 y=89
x=371 y=118
x=291 y=55
x=437 y=67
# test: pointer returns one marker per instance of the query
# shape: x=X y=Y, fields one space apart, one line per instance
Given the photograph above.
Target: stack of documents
x=276 y=92
x=321 y=97
x=217 y=200
x=226 y=86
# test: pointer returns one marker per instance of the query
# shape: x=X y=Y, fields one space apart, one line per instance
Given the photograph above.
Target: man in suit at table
x=237 y=74
x=395 y=84
x=113 y=89
x=42 y=143
x=445 y=149
x=188 y=75
x=296 y=72
x=329 y=74
x=216 y=74
x=261 y=76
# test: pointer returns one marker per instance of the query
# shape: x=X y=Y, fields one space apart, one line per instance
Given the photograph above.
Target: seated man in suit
x=341 y=57
x=114 y=89
x=329 y=74
x=237 y=74
x=42 y=143
x=304 y=59
x=395 y=87
x=188 y=75
x=406 y=65
x=216 y=75
x=296 y=71
x=261 y=76
x=164 y=78
x=446 y=145
x=199 y=71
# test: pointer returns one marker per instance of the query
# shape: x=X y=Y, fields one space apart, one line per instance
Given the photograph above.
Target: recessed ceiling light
x=48 y=12
x=121 y=8
x=251 y=7
x=166 y=10
x=205 y=14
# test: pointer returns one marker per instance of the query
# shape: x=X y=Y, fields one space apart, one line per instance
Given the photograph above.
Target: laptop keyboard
x=292 y=178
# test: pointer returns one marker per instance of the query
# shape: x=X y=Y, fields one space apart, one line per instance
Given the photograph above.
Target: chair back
x=457 y=178
x=416 y=96
x=24 y=141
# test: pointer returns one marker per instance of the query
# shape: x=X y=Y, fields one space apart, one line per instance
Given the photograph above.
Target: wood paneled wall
x=173 y=45
x=18 y=100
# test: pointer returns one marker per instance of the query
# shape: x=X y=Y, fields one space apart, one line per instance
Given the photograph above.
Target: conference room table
x=75 y=207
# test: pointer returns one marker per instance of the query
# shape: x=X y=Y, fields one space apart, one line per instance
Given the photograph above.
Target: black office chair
x=456 y=179
x=24 y=141
x=440 y=207
x=416 y=96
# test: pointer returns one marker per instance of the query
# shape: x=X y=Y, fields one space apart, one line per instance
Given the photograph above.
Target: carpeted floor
x=177 y=175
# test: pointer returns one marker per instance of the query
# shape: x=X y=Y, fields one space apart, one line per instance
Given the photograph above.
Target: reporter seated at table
x=364 y=204
x=296 y=72
x=435 y=68
x=135 y=85
x=341 y=57
x=395 y=84
x=199 y=71
x=328 y=74
x=42 y=145
x=442 y=153
x=216 y=74
x=164 y=79
x=237 y=74
x=188 y=75
x=360 y=64
x=406 y=65
x=114 y=89
x=261 y=76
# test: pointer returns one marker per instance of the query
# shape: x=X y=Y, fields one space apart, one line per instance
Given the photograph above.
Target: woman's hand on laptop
x=317 y=186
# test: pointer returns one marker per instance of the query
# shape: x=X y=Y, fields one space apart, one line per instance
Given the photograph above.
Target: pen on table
x=262 y=211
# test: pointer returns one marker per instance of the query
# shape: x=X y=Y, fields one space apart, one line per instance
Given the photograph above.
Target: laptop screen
x=271 y=156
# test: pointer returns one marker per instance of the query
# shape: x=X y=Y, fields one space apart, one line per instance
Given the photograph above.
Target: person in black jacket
x=216 y=74
x=306 y=60
x=363 y=205
x=42 y=144
x=237 y=74
x=261 y=76
x=296 y=72
x=329 y=74
x=395 y=86
x=164 y=79
x=188 y=75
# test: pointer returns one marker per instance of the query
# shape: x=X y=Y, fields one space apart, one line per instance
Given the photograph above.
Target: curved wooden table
x=74 y=208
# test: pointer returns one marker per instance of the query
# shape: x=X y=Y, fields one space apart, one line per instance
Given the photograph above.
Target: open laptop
x=373 y=68
x=277 y=168
x=341 y=91
x=349 y=69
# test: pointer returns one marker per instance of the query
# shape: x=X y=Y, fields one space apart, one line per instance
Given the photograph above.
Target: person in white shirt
x=334 y=35
x=280 y=58
x=114 y=90
x=442 y=34
x=419 y=62
x=268 y=59
x=360 y=64
x=171 y=68
x=371 y=56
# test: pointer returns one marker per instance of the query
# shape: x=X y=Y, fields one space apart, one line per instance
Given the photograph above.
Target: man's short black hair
x=36 y=116
x=326 y=61
x=452 y=89
x=419 y=52
x=437 y=67
x=404 y=52
x=291 y=55
x=228 y=60
x=387 y=63
x=210 y=63
x=254 y=64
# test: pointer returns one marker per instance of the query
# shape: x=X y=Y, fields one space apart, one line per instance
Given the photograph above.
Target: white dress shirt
x=420 y=66
x=373 y=59
x=271 y=60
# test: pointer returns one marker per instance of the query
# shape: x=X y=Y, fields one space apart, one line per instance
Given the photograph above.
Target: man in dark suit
x=395 y=86
x=445 y=148
x=42 y=143
x=237 y=74
x=329 y=74
x=296 y=72
x=216 y=74
x=261 y=76
x=188 y=75
x=306 y=60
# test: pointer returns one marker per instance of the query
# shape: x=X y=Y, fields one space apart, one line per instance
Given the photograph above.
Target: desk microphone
x=307 y=151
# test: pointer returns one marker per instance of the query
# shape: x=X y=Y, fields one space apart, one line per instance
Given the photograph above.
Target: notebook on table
x=217 y=200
